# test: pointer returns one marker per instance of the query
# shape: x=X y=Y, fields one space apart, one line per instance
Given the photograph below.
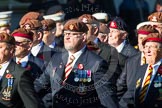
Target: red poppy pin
x=160 y=70
x=41 y=56
x=8 y=75
x=80 y=66
x=28 y=67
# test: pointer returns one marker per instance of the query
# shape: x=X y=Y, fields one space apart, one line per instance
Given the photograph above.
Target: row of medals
x=82 y=75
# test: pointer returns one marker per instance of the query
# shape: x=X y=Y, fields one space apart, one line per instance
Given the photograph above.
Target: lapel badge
x=138 y=82
x=80 y=66
x=7 y=71
x=60 y=66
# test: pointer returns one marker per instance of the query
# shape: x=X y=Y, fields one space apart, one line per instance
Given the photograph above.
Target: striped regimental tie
x=146 y=84
x=68 y=67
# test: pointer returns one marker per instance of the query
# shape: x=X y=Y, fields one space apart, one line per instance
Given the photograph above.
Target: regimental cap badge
x=71 y=26
x=27 y=26
x=85 y=20
x=154 y=18
x=113 y=24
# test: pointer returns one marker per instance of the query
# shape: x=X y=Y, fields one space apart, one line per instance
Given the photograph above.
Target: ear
x=124 y=35
x=30 y=44
x=40 y=35
x=84 y=37
x=95 y=30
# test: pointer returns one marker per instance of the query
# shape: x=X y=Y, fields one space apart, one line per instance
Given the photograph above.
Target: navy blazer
x=22 y=93
x=128 y=50
x=154 y=94
x=126 y=80
x=55 y=72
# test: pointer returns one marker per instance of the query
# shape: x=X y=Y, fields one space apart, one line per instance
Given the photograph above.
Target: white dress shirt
x=3 y=69
x=121 y=46
x=35 y=49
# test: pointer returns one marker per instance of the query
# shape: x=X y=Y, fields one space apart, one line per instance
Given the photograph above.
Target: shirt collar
x=24 y=60
x=77 y=54
x=4 y=67
x=52 y=45
x=121 y=46
x=96 y=41
x=35 y=49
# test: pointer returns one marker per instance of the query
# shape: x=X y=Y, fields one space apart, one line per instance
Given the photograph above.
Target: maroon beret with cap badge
x=88 y=19
x=31 y=16
x=76 y=26
x=48 y=24
x=33 y=25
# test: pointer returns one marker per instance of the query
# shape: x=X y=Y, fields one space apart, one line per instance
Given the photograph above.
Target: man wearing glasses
x=23 y=56
x=39 y=49
x=78 y=76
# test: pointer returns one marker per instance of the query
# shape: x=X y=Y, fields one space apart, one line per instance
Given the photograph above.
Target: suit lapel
x=10 y=69
x=100 y=46
x=139 y=78
x=61 y=67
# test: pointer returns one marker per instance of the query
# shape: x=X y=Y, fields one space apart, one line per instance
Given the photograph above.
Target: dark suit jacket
x=55 y=73
x=46 y=53
x=115 y=60
x=126 y=79
x=128 y=50
x=22 y=93
x=154 y=94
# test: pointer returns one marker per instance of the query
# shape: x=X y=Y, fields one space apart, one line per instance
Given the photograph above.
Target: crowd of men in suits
x=85 y=62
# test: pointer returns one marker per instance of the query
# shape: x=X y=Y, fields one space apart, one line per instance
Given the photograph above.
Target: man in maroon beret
x=23 y=56
x=147 y=90
x=17 y=88
x=126 y=79
x=74 y=68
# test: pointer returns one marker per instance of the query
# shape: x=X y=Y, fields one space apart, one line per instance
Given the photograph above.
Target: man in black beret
x=118 y=37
